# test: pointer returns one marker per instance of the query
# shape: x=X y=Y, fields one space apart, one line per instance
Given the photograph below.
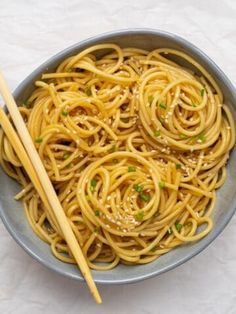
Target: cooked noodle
x=135 y=146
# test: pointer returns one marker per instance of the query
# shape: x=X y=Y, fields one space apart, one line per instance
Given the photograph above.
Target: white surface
x=32 y=31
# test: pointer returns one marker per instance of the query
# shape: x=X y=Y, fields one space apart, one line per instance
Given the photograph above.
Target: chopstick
x=46 y=184
x=23 y=157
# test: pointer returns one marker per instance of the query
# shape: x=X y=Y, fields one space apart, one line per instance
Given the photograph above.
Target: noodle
x=135 y=146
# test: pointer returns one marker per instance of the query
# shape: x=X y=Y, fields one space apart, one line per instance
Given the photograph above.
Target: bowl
x=12 y=212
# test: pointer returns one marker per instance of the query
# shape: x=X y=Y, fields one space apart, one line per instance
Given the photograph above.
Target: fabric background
x=30 y=32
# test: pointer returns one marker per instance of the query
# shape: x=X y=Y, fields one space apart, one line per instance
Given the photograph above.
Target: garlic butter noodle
x=135 y=145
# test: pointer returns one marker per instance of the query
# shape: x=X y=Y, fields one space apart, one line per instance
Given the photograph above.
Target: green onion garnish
x=93 y=184
x=157 y=133
x=139 y=216
x=97 y=212
x=150 y=99
x=145 y=197
x=201 y=138
x=162 y=184
x=138 y=188
x=162 y=105
x=113 y=149
x=27 y=104
x=88 y=91
x=64 y=113
x=131 y=169
x=183 y=136
x=178 y=166
x=66 y=155
x=202 y=92
x=162 y=120
x=153 y=249
x=38 y=140
x=96 y=229
x=178 y=226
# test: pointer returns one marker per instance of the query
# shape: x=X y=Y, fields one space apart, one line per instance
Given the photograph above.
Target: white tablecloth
x=30 y=32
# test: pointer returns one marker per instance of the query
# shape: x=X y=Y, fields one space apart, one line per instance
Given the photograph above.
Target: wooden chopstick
x=23 y=157
x=47 y=187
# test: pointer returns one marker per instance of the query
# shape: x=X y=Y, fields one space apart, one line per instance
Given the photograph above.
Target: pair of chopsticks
x=28 y=155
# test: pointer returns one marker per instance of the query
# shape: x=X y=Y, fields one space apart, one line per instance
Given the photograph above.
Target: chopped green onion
x=131 y=169
x=96 y=229
x=139 y=216
x=93 y=184
x=113 y=149
x=162 y=105
x=201 y=138
x=178 y=166
x=157 y=133
x=138 y=188
x=66 y=155
x=183 y=136
x=153 y=249
x=38 y=140
x=162 y=120
x=97 y=212
x=150 y=99
x=27 y=104
x=125 y=120
x=88 y=91
x=202 y=92
x=162 y=184
x=64 y=113
x=178 y=226
x=194 y=105
x=145 y=197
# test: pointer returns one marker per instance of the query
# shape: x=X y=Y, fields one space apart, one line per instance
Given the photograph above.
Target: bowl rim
x=205 y=242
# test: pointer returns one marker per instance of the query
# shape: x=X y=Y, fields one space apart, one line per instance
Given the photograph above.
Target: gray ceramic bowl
x=12 y=213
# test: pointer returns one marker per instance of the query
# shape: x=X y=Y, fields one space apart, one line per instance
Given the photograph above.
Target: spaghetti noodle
x=135 y=146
